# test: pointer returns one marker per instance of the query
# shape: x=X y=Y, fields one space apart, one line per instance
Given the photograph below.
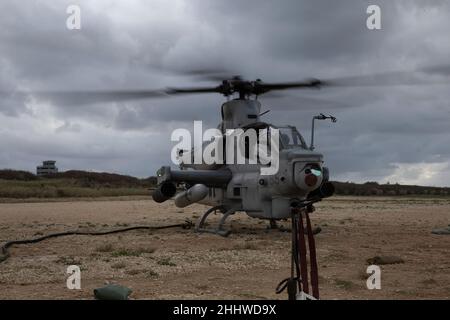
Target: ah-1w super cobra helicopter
x=229 y=188
x=289 y=192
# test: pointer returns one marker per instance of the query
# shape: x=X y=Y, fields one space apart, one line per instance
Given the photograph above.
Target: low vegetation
x=125 y=252
x=344 y=284
x=62 y=188
x=166 y=262
x=375 y=189
x=118 y=265
x=108 y=247
x=71 y=184
x=81 y=184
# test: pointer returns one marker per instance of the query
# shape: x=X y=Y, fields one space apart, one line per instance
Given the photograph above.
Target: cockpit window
x=291 y=138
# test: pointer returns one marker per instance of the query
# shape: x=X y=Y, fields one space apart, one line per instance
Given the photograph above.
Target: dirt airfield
x=180 y=264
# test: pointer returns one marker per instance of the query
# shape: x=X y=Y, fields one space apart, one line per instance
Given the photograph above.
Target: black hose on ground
x=4 y=253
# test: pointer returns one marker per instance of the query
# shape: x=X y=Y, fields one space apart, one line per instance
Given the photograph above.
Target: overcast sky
x=385 y=133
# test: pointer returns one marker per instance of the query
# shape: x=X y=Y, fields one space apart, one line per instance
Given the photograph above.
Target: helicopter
x=301 y=177
x=243 y=187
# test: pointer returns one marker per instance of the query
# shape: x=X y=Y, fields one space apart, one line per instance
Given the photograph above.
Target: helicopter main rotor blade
x=194 y=90
x=394 y=78
x=208 y=74
x=262 y=87
x=87 y=96
x=425 y=76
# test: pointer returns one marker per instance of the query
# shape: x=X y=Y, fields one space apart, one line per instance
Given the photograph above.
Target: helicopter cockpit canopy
x=291 y=138
x=289 y=135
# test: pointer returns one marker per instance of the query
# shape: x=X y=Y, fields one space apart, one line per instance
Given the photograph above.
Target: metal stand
x=297 y=284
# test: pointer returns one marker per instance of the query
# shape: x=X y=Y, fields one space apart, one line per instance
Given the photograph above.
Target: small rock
x=443 y=231
x=381 y=260
x=112 y=292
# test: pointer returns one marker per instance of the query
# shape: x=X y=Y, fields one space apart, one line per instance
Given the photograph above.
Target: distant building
x=48 y=167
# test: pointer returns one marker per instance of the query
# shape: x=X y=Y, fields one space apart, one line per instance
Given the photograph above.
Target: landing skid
x=200 y=225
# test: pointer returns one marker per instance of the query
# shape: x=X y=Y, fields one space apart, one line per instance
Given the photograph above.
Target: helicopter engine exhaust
x=325 y=190
x=194 y=194
x=164 y=191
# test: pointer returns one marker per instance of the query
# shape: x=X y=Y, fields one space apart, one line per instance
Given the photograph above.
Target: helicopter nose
x=308 y=176
x=310 y=180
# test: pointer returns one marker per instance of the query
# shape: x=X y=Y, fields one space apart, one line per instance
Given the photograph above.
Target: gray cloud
x=382 y=133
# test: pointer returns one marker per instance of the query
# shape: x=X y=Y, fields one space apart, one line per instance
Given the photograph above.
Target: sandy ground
x=175 y=263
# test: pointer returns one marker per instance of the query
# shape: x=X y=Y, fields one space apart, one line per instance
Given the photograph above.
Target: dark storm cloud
x=149 y=44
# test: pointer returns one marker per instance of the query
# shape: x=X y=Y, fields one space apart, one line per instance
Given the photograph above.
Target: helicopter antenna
x=319 y=117
x=263 y=113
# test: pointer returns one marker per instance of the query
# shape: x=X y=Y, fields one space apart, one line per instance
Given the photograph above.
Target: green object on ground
x=441 y=231
x=112 y=292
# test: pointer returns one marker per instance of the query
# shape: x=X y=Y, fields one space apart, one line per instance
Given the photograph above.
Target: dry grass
x=344 y=284
x=166 y=262
x=68 y=260
x=135 y=252
x=246 y=246
x=363 y=275
x=118 y=265
x=151 y=274
x=134 y=272
x=108 y=247
x=62 y=188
